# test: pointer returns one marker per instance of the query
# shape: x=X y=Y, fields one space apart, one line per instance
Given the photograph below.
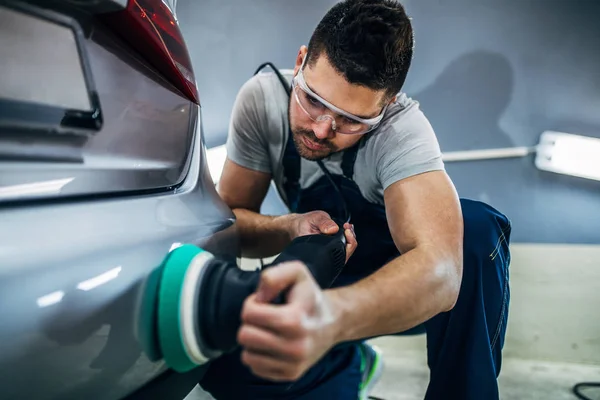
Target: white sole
x=364 y=393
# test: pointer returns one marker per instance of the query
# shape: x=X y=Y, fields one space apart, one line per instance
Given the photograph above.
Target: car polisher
x=200 y=297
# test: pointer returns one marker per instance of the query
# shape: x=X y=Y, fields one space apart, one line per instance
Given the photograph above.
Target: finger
x=266 y=343
x=276 y=279
x=269 y=368
x=350 y=236
x=351 y=243
x=284 y=320
x=350 y=226
x=325 y=224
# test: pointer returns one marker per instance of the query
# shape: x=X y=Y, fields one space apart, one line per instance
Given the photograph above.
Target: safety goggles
x=319 y=110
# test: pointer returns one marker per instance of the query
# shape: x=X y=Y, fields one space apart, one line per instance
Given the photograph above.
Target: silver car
x=103 y=171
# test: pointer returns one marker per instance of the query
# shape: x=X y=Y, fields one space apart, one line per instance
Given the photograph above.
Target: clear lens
x=314 y=108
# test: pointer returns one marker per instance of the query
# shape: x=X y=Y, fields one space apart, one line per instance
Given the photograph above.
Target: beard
x=308 y=153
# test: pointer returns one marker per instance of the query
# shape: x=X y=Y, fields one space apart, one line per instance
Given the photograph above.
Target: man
x=424 y=257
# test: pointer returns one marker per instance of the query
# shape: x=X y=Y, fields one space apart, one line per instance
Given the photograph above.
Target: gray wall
x=229 y=39
x=487 y=74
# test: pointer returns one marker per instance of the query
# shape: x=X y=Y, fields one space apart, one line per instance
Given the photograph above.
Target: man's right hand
x=319 y=222
x=311 y=223
x=244 y=190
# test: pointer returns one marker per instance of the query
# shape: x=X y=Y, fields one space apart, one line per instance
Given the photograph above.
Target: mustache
x=311 y=135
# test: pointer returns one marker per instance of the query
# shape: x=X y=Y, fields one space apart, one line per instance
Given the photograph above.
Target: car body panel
x=146 y=133
x=65 y=335
x=80 y=265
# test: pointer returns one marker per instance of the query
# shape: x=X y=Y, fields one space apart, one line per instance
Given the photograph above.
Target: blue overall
x=463 y=345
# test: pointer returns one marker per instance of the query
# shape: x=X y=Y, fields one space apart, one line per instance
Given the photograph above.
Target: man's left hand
x=281 y=342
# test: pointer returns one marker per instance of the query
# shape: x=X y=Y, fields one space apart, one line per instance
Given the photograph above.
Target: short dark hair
x=370 y=42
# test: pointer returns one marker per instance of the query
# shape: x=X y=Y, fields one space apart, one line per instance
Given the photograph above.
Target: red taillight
x=151 y=28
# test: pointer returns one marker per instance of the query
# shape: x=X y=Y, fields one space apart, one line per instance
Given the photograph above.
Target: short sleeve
x=407 y=147
x=247 y=144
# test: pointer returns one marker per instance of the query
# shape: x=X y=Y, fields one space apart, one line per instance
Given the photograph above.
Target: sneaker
x=371 y=366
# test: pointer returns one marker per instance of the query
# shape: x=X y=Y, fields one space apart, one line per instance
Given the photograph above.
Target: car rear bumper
x=78 y=280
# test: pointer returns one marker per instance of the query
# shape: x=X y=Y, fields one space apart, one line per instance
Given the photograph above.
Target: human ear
x=300 y=58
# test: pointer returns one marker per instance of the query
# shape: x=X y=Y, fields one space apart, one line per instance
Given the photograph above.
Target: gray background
x=487 y=74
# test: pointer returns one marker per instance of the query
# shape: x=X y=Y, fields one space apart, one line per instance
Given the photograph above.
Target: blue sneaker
x=371 y=367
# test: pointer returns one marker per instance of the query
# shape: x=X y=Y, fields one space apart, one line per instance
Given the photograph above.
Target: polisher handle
x=324 y=255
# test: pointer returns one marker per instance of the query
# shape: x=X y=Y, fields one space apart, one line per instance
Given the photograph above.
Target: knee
x=486 y=232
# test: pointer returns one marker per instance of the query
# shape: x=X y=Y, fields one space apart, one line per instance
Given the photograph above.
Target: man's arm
x=281 y=342
x=244 y=190
x=247 y=173
x=425 y=220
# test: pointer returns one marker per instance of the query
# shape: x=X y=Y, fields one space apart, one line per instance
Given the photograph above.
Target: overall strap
x=291 y=158
x=291 y=172
x=348 y=160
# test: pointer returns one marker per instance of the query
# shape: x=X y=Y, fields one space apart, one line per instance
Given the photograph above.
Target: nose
x=323 y=127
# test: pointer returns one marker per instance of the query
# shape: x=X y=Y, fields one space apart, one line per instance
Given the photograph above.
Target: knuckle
x=299 y=350
x=296 y=265
x=295 y=374
x=289 y=374
x=243 y=336
x=299 y=267
x=303 y=269
x=245 y=306
x=246 y=358
x=291 y=322
x=322 y=213
x=267 y=277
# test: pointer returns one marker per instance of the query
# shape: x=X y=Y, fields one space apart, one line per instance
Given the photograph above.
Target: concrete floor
x=406 y=375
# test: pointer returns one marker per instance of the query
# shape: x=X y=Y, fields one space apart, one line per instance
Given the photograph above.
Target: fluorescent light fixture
x=559 y=152
x=216 y=157
x=569 y=154
x=45 y=187
x=99 y=280
x=487 y=154
x=51 y=298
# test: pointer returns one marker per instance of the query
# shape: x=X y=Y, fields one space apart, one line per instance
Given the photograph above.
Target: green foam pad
x=169 y=297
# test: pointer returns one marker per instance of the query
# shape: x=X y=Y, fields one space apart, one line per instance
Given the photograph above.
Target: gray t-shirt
x=402 y=146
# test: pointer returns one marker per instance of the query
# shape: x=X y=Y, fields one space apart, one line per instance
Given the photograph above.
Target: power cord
x=347 y=215
x=584 y=385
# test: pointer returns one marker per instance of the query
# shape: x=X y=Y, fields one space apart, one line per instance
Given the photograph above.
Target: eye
x=314 y=102
x=350 y=121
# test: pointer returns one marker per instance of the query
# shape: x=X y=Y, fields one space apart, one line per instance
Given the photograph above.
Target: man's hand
x=281 y=342
x=319 y=222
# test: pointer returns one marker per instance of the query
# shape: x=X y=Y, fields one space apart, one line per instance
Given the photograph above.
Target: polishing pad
x=177 y=316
